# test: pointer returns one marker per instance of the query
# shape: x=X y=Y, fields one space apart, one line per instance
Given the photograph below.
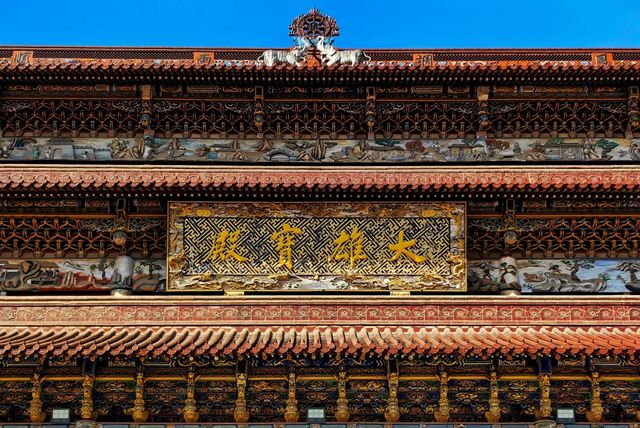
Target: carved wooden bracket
x=483 y=111
x=392 y=412
x=258 y=110
x=291 y=412
x=633 y=110
x=370 y=112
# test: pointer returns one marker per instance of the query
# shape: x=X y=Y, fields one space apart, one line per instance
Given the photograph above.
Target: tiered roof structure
x=109 y=154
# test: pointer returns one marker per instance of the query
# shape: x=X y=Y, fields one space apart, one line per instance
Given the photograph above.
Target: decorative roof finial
x=314 y=24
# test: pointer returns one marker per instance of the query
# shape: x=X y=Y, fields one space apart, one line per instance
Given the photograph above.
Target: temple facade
x=237 y=236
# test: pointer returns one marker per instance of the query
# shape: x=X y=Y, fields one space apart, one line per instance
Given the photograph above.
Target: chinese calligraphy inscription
x=317 y=246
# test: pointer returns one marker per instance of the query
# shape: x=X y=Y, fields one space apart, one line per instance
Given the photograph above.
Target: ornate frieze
x=584 y=275
x=183 y=182
x=324 y=151
x=376 y=310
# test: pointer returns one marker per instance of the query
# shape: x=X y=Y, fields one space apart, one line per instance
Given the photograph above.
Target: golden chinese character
x=349 y=247
x=402 y=248
x=224 y=247
x=284 y=244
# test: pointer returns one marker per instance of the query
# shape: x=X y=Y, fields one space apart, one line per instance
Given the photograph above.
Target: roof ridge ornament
x=313 y=34
x=312 y=25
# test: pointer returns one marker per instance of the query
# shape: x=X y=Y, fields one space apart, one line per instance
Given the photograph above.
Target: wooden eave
x=226 y=326
x=386 y=67
x=443 y=179
x=384 y=75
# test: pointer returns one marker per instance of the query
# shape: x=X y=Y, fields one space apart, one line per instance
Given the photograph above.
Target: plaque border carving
x=180 y=281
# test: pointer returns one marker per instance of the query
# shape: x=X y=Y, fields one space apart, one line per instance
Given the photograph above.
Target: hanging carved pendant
x=86 y=410
x=545 y=398
x=441 y=414
x=241 y=413
x=594 y=414
x=493 y=415
x=36 y=413
x=342 y=405
x=291 y=412
x=190 y=411
x=139 y=412
x=392 y=412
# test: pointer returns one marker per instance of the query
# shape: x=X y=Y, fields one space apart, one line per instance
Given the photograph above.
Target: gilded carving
x=240 y=411
x=594 y=414
x=348 y=246
x=284 y=244
x=441 y=414
x=342 y=404
x=392 y=411
x=401 y=248
x=545 y=409
x=316 y=246
x=224 y=246
x=493 y=415
x=291 y=412
x=36 y=413
x=190 y=412
x=139 y=412
x=86 y=409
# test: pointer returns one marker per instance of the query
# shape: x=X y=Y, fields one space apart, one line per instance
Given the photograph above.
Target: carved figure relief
x=330 y=55
x=52 y=275
x=555 y=275
x=276 y=150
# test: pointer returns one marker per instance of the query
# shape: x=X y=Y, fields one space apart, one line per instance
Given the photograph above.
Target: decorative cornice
x=267 y=311
x=484 y=178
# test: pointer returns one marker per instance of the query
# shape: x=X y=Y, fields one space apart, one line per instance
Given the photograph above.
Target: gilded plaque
x=316 y=246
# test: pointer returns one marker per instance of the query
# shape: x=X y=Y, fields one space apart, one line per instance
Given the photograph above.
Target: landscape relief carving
x=80 y=275
x=548 y=276
x=320 y=150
